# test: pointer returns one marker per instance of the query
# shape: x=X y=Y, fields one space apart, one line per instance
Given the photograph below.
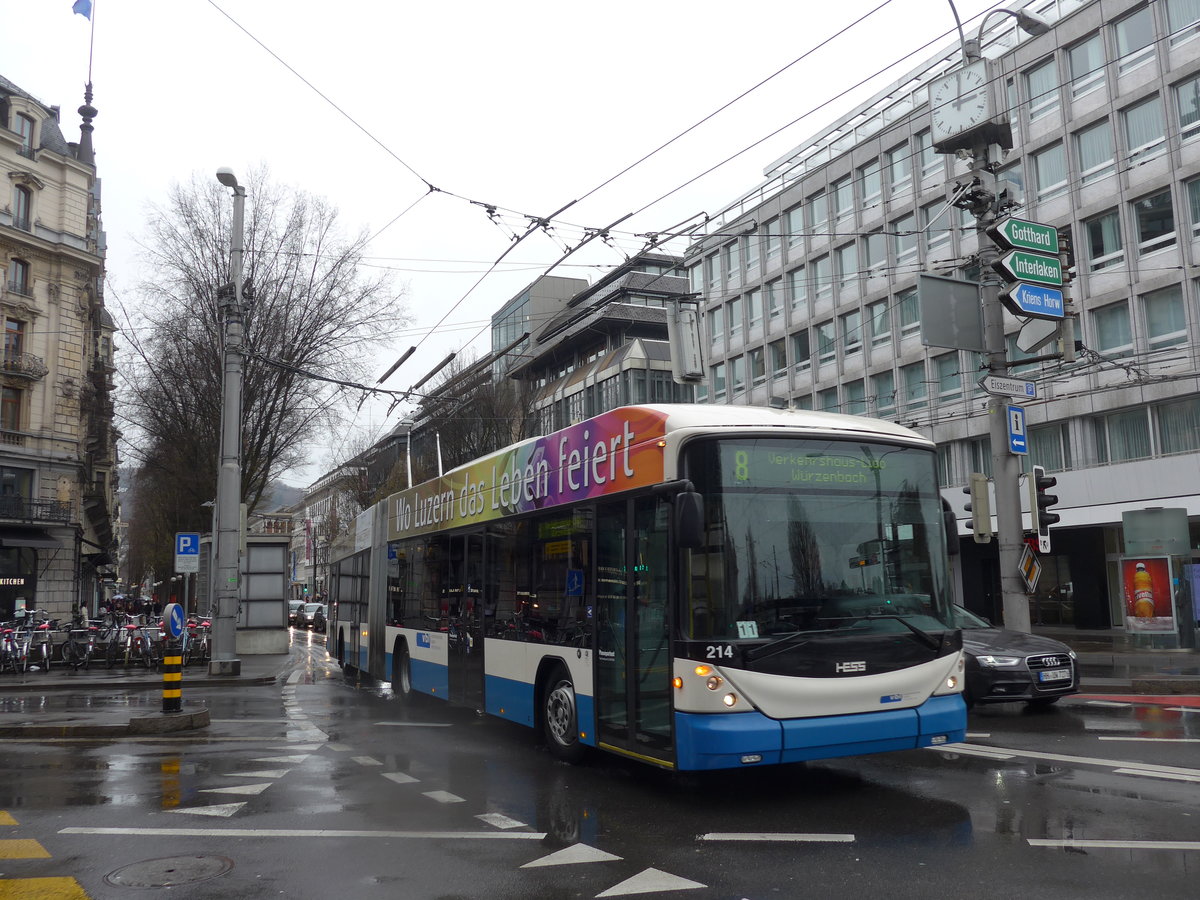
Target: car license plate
x=1055 y=675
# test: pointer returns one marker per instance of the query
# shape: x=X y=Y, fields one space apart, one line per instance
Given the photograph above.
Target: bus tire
x=401 y=671
x=560 y=718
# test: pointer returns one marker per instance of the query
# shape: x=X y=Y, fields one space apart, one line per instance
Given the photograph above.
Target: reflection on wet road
x=317 y=787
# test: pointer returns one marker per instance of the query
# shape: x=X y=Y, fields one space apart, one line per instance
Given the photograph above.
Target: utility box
x=264 y=575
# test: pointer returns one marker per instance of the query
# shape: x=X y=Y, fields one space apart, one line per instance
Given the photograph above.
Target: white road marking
x=577 y=853
x=416 y=724
x=500 y=821
x=979 y=734
x=308 y=747
x=249 y=789
x=400 y=777
x=341 y=748
x=223 y=809
x=1185 y=709
x=282 y=759
x=366 y=761
x=649 y=881
x=311 y=832
x=1117 y=845
x=1195 y=778
x=266 y=773
x=1152 y=739
x=1110 y=703
x=1079 y=760
x=964 y=750
x=251 y=721
x=294 y=677
x=444 y=797
x=777 y=836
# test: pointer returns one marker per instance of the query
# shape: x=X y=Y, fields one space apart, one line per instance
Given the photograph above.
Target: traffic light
x=1039 y=506
x=980 y=508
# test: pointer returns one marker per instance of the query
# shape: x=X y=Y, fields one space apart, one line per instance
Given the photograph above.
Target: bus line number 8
x=741 y=466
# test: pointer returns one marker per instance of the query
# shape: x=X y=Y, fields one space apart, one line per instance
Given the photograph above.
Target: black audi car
x=1004 y=666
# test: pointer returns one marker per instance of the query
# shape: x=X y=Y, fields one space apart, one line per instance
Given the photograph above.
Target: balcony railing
x=12 y=507
x=24 y=365
x=16 y=287
x=12 y=438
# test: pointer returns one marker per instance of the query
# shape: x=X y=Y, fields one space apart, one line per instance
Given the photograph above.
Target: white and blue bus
x=698 y=587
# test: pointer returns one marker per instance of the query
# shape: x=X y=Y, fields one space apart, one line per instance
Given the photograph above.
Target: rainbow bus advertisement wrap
x=617 y=451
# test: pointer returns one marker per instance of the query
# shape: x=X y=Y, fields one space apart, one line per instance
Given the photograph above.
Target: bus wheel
x=401 y=671
x=559 y=720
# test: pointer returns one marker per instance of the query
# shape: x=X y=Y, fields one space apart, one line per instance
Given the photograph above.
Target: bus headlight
x=729 y=699
x=952 y=682
x=714 y=682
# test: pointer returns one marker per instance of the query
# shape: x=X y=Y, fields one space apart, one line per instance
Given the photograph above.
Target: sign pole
x=172 y=661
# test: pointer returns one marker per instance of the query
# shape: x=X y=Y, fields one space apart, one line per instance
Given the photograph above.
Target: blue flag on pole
x=83 y=7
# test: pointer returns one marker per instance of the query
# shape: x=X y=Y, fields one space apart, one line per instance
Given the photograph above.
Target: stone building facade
x=57 y=441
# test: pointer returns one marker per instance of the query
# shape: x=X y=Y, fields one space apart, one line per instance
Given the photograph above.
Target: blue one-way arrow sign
x=1036 y=300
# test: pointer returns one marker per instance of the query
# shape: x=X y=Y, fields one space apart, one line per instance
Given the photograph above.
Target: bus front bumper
x=735 y=740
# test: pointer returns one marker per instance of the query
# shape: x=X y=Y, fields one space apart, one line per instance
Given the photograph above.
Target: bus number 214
x=719 y=651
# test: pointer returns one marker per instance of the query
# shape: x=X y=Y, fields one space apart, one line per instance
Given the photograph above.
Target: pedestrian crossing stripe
x=61 y=888
x=22 y=848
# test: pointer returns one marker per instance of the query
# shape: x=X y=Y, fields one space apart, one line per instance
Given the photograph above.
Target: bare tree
x=314 y=315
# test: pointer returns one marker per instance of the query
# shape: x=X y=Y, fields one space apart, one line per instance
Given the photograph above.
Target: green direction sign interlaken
x=1021 y=265
x=1020 y=234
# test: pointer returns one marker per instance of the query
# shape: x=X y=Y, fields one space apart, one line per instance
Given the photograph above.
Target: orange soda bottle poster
x=1148 y=594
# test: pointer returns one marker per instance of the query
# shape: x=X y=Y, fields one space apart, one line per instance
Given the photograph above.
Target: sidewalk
x=1113 y=661
x=105 y=703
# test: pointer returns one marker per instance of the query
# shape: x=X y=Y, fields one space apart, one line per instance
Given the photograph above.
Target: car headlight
x=999 y=662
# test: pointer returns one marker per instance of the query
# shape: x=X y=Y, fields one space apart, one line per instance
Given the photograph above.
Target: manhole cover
x=171 y=870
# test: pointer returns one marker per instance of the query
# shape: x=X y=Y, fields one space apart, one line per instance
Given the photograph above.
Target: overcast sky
x=525 y=105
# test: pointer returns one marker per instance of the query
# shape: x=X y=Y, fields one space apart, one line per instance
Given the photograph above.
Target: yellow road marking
x=41 y=889
x=7 y=819
x=22 y=848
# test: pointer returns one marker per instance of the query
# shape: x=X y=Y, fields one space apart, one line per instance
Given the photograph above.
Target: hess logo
x=844 y=667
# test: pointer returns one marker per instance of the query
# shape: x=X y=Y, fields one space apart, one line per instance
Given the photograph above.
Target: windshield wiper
x=926 y=638
x=784 y=642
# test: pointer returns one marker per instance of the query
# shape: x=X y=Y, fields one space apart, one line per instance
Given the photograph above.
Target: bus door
x=633 y=653
x=464 y=618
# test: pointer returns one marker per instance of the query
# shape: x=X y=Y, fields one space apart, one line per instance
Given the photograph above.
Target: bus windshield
x=814 y=537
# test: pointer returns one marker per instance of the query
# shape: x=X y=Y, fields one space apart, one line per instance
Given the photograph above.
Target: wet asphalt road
x=318 y=788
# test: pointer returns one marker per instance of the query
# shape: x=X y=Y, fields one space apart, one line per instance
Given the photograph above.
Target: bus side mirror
x=689 y=520
x=953 y=546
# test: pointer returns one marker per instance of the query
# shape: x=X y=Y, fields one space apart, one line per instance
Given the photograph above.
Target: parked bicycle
x=197 y=645
x=14 y=655
x=37 y=638
x=135 y=646
x=79 y=646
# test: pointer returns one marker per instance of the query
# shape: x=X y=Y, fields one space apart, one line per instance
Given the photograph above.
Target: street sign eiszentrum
x=1020 y=234
x=1008 y=387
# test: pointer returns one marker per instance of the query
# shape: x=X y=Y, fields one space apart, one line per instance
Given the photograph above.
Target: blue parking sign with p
x=187 y=543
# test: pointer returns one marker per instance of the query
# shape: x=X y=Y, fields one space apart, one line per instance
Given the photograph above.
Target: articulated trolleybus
x=698 y=587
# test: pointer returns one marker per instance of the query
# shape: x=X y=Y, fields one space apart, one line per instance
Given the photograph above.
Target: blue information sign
x=1035 y=300
x=173 y=618
x=1018 y=441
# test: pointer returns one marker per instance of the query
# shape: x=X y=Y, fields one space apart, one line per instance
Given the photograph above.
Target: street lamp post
x=986 y=204
x=225 y=588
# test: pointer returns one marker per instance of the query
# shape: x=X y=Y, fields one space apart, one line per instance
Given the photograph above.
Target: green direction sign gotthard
x=1020 y=234
x=1034 y=268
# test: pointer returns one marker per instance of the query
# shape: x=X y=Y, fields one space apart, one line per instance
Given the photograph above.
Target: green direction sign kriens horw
x=1019 y=234
x=1021 y=265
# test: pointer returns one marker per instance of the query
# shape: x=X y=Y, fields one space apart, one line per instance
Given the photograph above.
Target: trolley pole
x=225 y=589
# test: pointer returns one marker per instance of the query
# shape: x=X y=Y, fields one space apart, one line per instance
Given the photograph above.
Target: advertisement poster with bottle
x=1149 y=605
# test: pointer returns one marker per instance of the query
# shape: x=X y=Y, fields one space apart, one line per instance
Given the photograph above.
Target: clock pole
x=967 y=124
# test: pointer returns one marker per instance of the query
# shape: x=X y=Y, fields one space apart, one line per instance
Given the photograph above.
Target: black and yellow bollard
x=172 y=659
